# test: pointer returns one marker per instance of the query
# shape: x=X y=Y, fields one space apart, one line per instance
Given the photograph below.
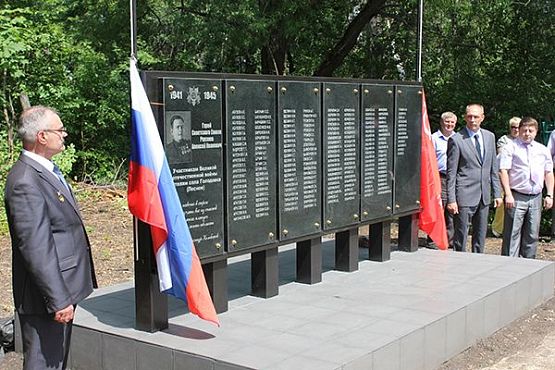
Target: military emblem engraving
x=193 y=96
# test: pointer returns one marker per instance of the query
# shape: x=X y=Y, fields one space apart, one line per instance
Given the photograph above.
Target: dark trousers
x=478 y=217
x=45 y=342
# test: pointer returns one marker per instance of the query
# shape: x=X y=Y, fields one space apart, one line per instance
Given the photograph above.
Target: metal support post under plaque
x=151 y=308
x=346 y=250
x=309 y=261
x=408 y=233
x=379 y=248
x=265 y=273
x=215 y=274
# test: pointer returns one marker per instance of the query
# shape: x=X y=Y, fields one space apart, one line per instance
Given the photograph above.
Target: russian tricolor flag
x=152 y=198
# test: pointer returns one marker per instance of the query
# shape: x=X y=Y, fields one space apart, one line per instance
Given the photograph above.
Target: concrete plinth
x=412 y=312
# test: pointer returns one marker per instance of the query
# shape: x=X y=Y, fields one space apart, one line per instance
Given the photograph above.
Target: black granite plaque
x=251 y=163
x=377 y=151
x=408 y=130
x=193 y=146
x=341 y=154
x=300 y=175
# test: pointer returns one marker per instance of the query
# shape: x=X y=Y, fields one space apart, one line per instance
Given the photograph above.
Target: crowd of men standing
x=476 y=172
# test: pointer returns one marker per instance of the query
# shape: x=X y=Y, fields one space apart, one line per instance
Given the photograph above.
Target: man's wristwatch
x=549 y=196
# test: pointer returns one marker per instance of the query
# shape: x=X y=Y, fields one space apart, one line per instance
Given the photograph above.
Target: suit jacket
x=52 y=262
x=468 y=180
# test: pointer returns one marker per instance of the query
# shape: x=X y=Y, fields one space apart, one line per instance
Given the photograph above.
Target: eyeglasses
x=58 y=130
x=515 y=127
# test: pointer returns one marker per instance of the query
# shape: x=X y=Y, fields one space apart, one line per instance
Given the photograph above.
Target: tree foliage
x=496 y=53
x=73 y=55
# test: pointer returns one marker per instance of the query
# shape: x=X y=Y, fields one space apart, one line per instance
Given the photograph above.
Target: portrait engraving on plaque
x=178 y=137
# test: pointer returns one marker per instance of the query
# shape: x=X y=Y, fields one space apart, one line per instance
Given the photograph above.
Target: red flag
x=430 y=219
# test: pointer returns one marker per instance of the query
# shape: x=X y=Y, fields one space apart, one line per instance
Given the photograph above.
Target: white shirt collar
x=43 y=161
x=440 y=134
x=472 y=133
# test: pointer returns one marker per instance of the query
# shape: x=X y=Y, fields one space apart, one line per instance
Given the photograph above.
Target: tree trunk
x=24 y=101
x=274 y=53
x=7 y=118
x=338 y=53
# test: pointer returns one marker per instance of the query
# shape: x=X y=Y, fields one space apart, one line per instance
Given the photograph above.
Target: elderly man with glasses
x=51 y=257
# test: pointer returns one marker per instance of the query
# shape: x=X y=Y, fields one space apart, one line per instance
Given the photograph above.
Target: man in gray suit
x=51 y=257
x=472 y=174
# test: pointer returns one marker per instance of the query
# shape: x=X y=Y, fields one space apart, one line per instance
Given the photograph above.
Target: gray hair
x=475 y=105
x=32 y=121
x=446 y=115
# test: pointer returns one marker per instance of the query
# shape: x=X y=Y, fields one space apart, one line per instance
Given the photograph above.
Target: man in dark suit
x=52 y=264
x=472 y=175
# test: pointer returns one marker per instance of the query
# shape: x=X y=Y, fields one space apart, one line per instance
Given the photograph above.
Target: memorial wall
x=261 y=160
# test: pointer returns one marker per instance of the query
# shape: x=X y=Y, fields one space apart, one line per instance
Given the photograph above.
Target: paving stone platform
x=412 y=312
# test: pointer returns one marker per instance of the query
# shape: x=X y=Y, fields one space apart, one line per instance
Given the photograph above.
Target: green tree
x=497 y=53
x=73 y=55
x=51 y=66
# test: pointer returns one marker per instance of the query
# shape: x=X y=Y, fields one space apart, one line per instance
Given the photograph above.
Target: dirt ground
x=527 y=343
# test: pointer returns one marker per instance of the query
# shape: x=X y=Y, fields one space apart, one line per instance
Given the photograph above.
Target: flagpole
x=133 y=28
x=151 y=306
x=419 y=42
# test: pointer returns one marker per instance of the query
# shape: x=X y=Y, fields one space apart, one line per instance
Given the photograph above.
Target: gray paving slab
x=413 y=311
x=118 y=353
x=387 y=357
x=475 y=324
x=456 y=337
x=435 y=343
x=86 y=348
x=411 y=353
x=150 y=357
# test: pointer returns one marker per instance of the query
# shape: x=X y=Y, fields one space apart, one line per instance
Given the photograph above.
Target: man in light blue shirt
x=440 y=138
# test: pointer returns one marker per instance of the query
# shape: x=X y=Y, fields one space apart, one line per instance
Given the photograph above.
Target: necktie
x=478 y=147
x=535 y=172
x=60 y=176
